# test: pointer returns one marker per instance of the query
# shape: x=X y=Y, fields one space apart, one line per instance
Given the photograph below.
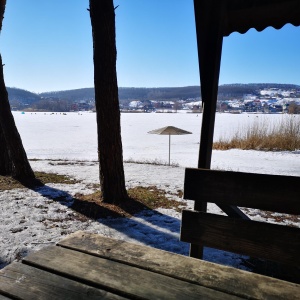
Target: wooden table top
x=91 y=266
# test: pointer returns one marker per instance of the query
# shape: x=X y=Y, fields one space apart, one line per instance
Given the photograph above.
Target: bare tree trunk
x=13 y=159
x=112 y=179
x=5 y=166
x=2 y=9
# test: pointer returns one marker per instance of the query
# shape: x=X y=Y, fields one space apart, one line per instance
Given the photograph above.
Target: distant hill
x=71 y=95
x=238 y=90
x=130 y=93
x=23 y=96
x=168 y=93
x=227 y=91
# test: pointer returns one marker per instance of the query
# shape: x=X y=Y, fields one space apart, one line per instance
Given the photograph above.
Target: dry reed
x=283 y=135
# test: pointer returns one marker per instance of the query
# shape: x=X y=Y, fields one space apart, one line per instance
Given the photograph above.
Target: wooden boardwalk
x=90 y=266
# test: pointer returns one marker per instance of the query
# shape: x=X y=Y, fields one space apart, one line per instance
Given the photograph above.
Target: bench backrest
x=259 y=239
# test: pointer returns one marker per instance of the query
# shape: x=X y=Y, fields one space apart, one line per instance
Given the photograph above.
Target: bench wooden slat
x=264 y=240
x=117 y=277
x=29 y=283
x=211 y=275
x=261 y=191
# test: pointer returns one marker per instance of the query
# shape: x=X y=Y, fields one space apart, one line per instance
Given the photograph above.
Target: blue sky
x=46 y=45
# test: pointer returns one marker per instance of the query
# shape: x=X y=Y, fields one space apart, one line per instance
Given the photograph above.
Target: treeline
x=228 y=91
x=21 y=98
x=166 y=93
x=171 y=93
x=52 y=105
x=131 y=93
x=71 y=95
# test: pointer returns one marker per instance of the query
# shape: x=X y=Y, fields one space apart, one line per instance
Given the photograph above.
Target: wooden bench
x=274 y=193
x=91 y=266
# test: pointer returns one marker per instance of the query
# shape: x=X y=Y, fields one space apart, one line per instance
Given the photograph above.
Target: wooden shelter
x=216 y=19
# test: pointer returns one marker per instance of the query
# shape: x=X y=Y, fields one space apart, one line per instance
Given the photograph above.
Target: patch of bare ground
x=140 y=198
x=9 y=183
x=71 y=163
x=54 y=178
x=65 y=162
x=92 y=207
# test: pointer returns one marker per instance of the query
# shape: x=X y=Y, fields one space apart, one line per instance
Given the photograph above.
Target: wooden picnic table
x=91 y=266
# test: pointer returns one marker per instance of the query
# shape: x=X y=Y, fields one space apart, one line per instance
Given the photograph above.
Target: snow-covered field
x=31 y=219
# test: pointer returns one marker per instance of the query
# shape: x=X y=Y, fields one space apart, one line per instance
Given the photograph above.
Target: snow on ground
x=32 y=219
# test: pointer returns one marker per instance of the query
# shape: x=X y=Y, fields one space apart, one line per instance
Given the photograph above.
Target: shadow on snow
x=146 y=226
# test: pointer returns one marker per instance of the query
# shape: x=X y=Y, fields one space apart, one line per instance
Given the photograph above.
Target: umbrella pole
x=169 y=148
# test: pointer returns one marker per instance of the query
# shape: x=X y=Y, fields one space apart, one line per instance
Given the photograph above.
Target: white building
x=136 y=104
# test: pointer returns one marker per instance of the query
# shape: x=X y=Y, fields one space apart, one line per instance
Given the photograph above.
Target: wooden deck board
x=29 y=283
x=191 y=270
x=90 y=266
x=118 y=278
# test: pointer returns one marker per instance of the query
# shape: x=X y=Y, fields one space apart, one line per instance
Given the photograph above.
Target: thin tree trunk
x=112 y=179
x=13 y=159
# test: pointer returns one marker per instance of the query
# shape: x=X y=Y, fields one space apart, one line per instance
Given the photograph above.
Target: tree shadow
x=131 y=219
x=3 y=263
x=135 y=222
x=273 y=269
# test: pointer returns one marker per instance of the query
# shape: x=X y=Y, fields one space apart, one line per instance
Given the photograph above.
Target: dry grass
x=140 y=198
x=281 y=136
x=54 y=178
x=153 y=198
x=9 y=183
x=92 y=206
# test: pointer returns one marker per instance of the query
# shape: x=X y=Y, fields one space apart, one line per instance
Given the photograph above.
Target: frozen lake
x=31 y=220
x=73 y=136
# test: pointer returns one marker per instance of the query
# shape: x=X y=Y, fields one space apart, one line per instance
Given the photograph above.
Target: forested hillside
x=170 y=93
x=23 y=96
x=20 y=99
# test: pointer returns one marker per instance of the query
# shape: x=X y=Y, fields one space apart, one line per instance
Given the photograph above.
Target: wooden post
x=209 y=18
x=209 y=24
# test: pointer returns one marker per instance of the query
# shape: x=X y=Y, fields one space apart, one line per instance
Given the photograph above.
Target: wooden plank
x=264 y=240
x=26 y=282
x=222 y=278
x=266 y=192
x=118 y=278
